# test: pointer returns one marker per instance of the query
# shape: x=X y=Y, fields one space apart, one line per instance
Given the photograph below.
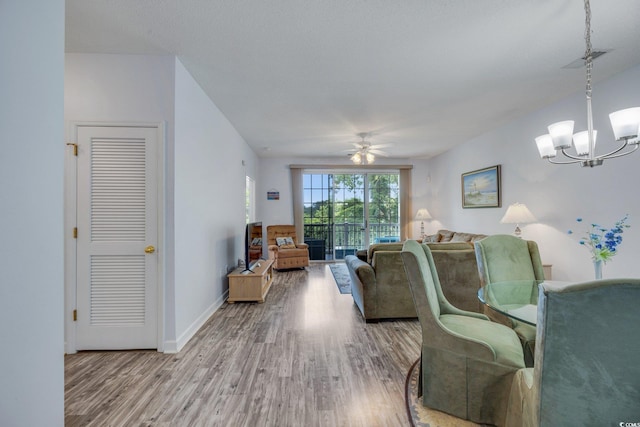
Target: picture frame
x=481 y=188
x=273 y=195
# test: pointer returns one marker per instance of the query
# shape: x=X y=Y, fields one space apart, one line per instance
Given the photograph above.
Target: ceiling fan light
x=545 y=146
x=581 y=142
x=561 y=134
x=356 y=158
x=625 y=123
x=370 y=157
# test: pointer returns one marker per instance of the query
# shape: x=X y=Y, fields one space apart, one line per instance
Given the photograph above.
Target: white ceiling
x=303 y=77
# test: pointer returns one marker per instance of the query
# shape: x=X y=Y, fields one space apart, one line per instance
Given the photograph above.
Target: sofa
x=445 y=236
x=380 y=287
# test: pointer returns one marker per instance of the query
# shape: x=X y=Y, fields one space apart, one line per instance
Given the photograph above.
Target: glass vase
x=597 y=266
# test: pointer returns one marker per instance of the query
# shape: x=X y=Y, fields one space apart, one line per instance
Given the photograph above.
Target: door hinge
x=75 y=315
x=75 y=148
x=75 y=232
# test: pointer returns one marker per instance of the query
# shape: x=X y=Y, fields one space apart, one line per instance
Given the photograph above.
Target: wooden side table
x=251 y=286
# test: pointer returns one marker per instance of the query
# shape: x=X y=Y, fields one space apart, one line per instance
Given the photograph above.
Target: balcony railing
x=347 y=238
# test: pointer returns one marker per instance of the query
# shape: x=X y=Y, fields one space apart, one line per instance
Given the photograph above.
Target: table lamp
x=421 y=215
x=517 y=214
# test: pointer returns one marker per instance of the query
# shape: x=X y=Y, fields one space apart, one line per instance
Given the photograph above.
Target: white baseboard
x=176 y=346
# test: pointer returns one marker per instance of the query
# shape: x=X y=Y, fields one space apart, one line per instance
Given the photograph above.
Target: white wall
x=555 y=194
x=31 y=166
x=209 y=203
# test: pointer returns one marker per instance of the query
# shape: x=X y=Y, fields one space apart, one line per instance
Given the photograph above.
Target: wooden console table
x=251 y=285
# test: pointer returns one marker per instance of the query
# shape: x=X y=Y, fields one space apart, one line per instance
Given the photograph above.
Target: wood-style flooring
x=305 y=357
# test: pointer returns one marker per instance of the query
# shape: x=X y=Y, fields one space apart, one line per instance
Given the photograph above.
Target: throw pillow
x=285 y=242
x=461 y=237
x=445 y=235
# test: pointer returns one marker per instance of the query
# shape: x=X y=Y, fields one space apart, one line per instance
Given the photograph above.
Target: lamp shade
x=561 y=134
x=423 y=214
x=625 y=123
x=518 y=213
x=581 y=142
x=545 y=146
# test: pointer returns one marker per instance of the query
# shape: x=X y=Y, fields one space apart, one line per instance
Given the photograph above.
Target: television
x=253 y=244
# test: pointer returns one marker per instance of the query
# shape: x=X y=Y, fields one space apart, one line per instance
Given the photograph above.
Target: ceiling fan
x=366 y=152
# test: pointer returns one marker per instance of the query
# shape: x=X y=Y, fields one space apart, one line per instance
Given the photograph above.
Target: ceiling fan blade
x=385 y=145
x=379 y=153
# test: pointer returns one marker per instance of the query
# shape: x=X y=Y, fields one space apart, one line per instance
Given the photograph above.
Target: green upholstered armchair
x=502 y=258
x=586 y=369
x=468 y=362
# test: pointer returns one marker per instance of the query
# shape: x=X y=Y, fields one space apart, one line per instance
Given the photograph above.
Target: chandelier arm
x=555 y=162
x=571 y=156
x=614 y=154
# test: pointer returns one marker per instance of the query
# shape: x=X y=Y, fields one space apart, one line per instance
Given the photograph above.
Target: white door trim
x=70 y=208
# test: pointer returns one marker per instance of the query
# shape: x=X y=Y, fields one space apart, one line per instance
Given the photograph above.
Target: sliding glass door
x=349 y=209
x=345 y=212
x=383 y=207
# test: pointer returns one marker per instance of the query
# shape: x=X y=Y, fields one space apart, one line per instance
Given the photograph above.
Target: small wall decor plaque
x=273 y=195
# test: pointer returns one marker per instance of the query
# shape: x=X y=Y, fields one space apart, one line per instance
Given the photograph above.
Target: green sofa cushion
x=499 y=337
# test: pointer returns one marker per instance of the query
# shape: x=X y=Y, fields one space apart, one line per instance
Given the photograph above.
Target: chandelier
x=625 y=124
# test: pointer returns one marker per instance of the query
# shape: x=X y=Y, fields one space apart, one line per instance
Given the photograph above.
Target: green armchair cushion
x=506 y=346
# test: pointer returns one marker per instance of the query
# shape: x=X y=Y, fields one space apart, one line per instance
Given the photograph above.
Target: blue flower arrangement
x=603 y=243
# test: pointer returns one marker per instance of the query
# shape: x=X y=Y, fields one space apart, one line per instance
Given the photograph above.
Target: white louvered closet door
x=117 y=229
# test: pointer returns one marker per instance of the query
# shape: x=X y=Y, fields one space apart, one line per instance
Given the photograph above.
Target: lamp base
x=517 y=232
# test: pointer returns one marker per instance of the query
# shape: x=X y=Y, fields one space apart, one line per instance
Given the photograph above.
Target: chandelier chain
x=588 y=55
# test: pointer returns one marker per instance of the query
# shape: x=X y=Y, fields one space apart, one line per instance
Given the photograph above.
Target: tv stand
x=251 y=285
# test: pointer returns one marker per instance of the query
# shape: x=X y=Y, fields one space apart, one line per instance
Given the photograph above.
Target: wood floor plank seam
x=303 y=357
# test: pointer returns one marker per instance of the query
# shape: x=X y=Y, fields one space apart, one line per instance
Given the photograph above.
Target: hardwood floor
x=305 y=357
